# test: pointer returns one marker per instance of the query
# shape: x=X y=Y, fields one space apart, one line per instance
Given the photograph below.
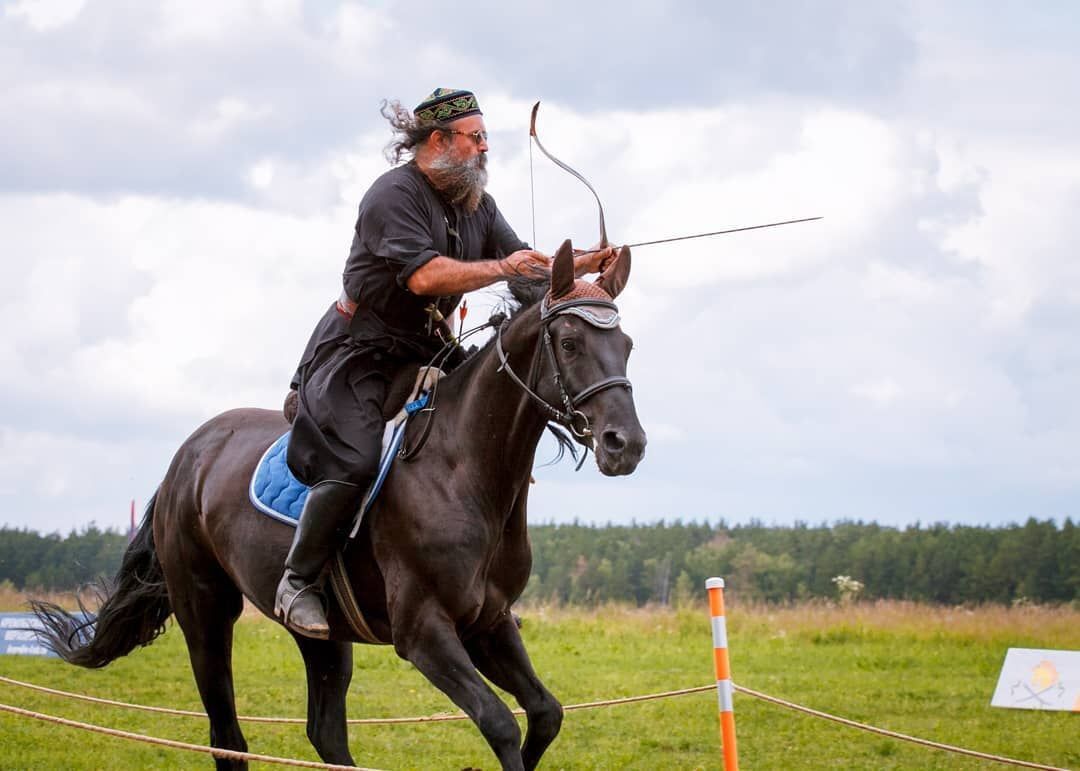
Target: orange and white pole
x=724 y=688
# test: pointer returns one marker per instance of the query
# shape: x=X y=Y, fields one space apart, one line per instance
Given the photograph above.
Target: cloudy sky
x=178 y=185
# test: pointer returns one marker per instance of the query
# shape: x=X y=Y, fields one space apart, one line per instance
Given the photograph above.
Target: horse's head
x=583 y=367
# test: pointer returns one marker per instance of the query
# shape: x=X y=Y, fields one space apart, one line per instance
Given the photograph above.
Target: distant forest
x=667 y=563
x=32 y=561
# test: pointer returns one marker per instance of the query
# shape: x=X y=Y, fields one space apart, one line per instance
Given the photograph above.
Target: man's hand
x=593 y=260
x=527 y=263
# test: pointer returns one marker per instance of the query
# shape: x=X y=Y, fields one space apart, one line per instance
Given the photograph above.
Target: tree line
x=666 y=563
x=29 y=560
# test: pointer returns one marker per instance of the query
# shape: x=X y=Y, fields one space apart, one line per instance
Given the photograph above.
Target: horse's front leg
x=500 y=655
x=329 y=666
x=426 y=636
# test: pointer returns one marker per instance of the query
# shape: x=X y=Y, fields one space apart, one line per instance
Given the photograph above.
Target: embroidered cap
x=447 y=104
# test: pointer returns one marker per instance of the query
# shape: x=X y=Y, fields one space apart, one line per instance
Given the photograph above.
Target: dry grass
x=910 y=619
x=916 y=620
x=13 y=600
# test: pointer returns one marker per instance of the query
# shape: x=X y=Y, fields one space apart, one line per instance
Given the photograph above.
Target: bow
x=536 y=138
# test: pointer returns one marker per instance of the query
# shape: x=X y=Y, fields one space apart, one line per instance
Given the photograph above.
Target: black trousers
x=341 y=385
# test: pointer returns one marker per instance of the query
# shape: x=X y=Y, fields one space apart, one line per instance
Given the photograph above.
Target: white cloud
x=226 y=115
x=216 y=23
x=45 y=15
x=1023 y=239
x=357 y=31
x=922 y=331
x=881 y=392
x=262 y=174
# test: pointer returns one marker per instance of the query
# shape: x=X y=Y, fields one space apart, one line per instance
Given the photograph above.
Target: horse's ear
x=613 y=279
x=562 y=271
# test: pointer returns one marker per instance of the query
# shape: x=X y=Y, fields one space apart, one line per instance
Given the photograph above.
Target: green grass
x=924 y=671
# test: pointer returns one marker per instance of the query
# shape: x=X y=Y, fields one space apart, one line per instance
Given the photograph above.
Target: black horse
x=437 y=561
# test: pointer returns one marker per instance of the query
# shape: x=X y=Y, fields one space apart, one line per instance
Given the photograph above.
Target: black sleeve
x=501 y=240
x=396 y=226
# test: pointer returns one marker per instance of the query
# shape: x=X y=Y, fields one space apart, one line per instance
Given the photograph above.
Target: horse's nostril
x=613 y=441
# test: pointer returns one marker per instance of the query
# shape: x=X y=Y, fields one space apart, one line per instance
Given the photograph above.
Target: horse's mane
x=527 y=292
x=523 y=294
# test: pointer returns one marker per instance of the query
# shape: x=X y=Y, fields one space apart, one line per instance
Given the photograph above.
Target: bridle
x=586 y=308
x=602 y=314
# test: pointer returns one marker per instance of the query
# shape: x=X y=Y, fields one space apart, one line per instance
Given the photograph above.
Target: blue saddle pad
x=277 y=493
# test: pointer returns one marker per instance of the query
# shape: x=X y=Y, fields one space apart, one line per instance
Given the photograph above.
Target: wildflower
x=848 y=587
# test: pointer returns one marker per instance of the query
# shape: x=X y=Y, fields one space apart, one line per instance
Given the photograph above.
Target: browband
x=603 y=314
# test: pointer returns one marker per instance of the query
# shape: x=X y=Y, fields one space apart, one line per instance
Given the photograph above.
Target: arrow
x=713 y=233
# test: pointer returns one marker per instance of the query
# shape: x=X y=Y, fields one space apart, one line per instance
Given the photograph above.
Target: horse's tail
x=133 y=612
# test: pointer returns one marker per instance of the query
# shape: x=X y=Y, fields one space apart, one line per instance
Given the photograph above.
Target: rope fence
x=175 y=745
x=438 y=718
x=893 y=734
x=450 y=717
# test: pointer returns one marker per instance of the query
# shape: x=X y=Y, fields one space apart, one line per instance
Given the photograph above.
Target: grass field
x=919 y=670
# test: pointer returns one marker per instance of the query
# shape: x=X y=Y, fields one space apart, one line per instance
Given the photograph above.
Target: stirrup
x=283 y=607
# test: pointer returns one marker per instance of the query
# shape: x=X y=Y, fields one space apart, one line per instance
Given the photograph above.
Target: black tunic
x=347 y=366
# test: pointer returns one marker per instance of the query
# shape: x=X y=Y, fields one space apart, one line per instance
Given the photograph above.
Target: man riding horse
x=426 y=233
x=444 y=552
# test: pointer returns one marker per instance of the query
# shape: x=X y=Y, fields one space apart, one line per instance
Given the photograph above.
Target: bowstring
x=532 y=192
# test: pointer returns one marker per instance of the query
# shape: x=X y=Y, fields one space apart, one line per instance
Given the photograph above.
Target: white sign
x=1039 y=679
x=17 y=636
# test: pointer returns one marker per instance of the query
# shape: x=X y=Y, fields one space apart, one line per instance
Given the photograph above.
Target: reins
x=408 y=453
x=570 y=414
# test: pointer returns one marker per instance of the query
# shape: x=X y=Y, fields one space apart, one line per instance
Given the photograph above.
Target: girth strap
x=339 y=581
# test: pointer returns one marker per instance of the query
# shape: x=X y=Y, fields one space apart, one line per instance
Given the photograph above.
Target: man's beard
x=462 y=182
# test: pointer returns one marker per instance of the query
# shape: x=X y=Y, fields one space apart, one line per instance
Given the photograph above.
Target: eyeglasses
x=478 y=137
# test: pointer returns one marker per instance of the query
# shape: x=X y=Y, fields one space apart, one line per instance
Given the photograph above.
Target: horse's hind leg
x=329 y=667
x=500 y=655
x=206 y=608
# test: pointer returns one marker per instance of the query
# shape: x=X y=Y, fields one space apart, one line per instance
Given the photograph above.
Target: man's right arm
x=446 y=276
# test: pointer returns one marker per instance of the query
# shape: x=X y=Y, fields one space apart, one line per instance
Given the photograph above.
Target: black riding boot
x=328 y=512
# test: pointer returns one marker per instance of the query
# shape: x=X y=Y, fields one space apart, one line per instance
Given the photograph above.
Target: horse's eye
x=568 y=345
